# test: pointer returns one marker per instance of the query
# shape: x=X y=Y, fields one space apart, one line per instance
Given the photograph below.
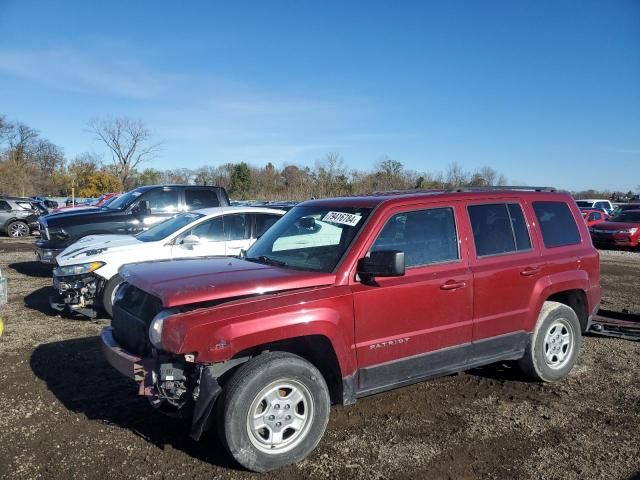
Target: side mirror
x=190 y=240
x=384 y=263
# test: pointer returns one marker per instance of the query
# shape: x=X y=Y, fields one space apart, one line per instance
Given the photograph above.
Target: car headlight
x=58 y=234
x=630 y=231
x=157 y=324
x=79 y=269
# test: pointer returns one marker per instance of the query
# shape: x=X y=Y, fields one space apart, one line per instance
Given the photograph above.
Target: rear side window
x=201 y=198
x=425 y=236
x=557 y=224
x=498 y=228
x=4 y=205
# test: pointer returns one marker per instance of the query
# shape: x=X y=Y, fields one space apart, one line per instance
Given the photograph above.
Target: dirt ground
x=65 y=413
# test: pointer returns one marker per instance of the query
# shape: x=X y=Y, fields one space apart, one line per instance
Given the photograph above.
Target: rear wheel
x=554 y=345
x=18 y=229
x=273 y=412
x=109 y=293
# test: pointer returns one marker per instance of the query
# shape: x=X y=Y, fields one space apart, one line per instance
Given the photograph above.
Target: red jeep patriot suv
x=347 y=297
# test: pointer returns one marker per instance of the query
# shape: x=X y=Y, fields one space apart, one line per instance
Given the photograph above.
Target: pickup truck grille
x=132 y=315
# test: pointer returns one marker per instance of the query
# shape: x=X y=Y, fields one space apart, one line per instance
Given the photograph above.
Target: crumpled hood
x=87 y=248
x=615 y=226
x=184 y=282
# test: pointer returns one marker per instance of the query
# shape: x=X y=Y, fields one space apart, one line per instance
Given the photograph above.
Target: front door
x=418 y=324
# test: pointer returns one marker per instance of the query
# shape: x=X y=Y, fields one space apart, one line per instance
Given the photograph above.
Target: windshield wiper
x=267 y=260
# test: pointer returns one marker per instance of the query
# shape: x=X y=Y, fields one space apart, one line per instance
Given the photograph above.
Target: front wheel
x=554 y=345
x=109 y=293
x=274 y=411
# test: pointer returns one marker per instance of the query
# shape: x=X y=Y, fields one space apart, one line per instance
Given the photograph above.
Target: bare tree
x=129 y=142
x=6 y=129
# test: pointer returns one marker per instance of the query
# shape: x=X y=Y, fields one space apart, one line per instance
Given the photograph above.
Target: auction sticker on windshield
x=342 y=218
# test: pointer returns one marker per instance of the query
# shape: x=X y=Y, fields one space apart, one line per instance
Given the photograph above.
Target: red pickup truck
x=349 y=297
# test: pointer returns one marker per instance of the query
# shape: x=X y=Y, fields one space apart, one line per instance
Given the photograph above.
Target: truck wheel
x=554 y=345
x=108 y=292
x=18 y=229
x=273 y=412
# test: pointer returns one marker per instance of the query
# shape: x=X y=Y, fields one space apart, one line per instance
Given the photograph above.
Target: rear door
x=399 y=321
x=506 y=265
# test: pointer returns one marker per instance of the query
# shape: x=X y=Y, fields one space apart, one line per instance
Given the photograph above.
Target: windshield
x=166 y=228
x=584 y=204
x=627 y=217
x=309 y=238
x=123 y=200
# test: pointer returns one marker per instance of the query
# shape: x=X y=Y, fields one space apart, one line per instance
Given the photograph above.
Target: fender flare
x=238 y=335
x=552 y=284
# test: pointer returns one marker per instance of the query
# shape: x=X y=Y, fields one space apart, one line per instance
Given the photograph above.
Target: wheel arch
x=316 y=349
x=569 y=288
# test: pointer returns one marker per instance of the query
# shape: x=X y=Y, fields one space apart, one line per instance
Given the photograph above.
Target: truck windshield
x=123 y=200
x=166 y=228
x=309 y=238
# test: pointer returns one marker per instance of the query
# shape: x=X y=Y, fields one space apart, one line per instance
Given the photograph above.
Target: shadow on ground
x=76 y=372
x=39 y=300
x=33 y=269
x=506 y=371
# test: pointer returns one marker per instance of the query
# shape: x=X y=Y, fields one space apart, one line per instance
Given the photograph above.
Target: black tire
x=18 y=229
x=554 y=344
x=107 y=293
x=244 y=392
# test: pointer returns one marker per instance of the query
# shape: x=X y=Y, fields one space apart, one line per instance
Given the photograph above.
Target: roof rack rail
x=503 y=187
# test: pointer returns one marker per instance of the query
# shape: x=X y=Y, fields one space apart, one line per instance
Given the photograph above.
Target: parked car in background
x=591 y=217
x=97 y=202
x=623 y=207
x=49 y=203
x=4 y=295
x=622 y=230
x=87 y=273
x=128 y=214
x=347 y=297
x=18 y=216
x=596 y=204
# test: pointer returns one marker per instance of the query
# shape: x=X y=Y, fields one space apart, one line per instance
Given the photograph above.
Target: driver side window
x=162 y=201
x=209 y=231
x=425 y=236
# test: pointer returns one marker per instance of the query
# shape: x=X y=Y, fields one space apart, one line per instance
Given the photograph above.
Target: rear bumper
x=126 y=363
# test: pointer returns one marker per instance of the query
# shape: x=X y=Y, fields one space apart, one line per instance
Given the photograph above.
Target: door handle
x=529 y=271
x=452 y=285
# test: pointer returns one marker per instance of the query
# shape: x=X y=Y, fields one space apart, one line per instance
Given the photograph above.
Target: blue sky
x=546 y=92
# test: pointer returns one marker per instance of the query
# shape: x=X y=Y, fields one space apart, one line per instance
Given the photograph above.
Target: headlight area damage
x=173 y=384
x=77 y=288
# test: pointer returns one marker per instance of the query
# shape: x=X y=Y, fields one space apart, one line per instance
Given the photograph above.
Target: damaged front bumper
x=78 y=293
x=172 y=385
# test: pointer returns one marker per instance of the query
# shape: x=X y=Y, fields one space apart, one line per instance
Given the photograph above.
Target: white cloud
x=70 y=70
